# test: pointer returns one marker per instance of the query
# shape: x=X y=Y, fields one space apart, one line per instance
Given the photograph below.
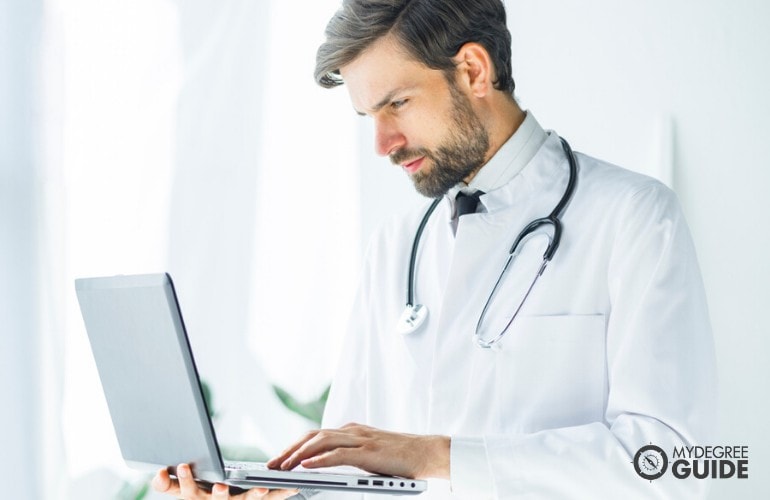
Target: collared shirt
x=506 y=164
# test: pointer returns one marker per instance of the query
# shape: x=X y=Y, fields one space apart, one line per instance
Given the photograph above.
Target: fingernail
x=285 y=464
x=182 y=471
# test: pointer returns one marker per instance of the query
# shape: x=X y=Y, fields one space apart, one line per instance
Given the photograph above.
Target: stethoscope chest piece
x=412 y=319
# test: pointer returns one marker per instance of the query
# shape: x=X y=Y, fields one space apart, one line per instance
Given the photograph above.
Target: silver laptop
x=154 y=394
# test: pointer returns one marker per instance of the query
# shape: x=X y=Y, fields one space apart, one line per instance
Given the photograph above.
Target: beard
x=461 y=154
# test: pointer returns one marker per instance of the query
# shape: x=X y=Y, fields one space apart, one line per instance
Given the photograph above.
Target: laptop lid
x=148 y=374
x=154 y=396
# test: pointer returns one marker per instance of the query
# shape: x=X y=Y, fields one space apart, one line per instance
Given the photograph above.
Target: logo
x=650 y=462
x=693 y=462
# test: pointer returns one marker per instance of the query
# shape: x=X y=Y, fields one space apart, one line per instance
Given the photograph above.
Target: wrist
x=436 y=457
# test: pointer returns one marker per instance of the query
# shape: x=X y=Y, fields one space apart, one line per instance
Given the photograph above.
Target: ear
x=475 y=68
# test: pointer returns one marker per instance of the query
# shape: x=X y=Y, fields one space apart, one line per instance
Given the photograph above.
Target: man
x=611 y=349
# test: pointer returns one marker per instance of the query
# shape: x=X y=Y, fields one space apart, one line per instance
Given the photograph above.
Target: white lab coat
x=612 y=351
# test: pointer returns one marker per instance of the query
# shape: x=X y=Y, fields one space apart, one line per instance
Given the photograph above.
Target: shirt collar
x=507 y=162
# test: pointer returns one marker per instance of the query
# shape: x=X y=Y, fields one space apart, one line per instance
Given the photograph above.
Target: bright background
x=189 y=136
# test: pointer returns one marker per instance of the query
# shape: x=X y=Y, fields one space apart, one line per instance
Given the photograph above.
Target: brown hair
x=431 y=31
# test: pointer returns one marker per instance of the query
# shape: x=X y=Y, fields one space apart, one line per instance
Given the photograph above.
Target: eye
x=399 y=103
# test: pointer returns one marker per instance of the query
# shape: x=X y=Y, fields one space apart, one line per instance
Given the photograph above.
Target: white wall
x=610 y=75
x=620 y=80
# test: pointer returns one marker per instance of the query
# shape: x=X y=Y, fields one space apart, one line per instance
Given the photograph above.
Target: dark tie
x=467 y=203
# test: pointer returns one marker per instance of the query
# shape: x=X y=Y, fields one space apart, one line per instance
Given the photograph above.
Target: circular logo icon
x=650 y=462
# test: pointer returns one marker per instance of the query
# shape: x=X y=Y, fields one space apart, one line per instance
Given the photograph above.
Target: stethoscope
x=415 y=315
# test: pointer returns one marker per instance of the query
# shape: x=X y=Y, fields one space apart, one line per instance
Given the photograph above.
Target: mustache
x=402 y=155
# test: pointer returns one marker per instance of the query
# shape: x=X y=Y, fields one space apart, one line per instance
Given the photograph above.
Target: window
x=195 y=140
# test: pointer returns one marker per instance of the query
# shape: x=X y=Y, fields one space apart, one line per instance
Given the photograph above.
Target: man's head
x=432 y=31
x=434 y=75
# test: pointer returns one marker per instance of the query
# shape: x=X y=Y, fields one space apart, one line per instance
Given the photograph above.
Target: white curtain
x=185 y=136
x=119 y=85
x=265 y=280
x=30 y=256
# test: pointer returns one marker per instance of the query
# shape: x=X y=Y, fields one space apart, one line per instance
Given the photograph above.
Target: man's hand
x=370 y=449
x=186 y=488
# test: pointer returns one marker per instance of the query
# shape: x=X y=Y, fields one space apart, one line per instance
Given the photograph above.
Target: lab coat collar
x=546 y=172
x=506 y=164
x=545 y=177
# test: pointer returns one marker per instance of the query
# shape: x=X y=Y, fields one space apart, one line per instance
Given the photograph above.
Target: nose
x=387 y=137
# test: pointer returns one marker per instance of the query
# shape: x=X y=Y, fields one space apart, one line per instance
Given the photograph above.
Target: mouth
x=413 y=166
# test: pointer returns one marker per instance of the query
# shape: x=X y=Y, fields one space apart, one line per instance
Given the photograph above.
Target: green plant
x=311 y=410
x=134 y=491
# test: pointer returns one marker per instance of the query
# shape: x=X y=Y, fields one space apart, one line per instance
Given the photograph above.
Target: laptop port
x=364 y=482
x=377 y=482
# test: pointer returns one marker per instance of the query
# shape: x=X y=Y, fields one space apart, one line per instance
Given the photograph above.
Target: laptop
x=154 y=394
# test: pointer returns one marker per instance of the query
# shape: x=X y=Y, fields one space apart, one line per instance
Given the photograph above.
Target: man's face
x=422 y=122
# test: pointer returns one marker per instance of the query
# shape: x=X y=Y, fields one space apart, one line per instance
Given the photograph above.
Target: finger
x=256 y=493
x=323 y=441
x=275 y=463
x=220 y=492
x=163 y=483
x=332 y=458
x=279 y=494
x=188 y=488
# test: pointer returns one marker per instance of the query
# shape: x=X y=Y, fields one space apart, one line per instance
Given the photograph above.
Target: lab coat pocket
x=551 y=372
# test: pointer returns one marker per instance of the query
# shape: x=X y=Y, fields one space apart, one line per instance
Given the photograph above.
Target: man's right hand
x=185 y=487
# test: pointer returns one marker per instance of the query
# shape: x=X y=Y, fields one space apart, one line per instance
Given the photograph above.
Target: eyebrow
x=385 y=100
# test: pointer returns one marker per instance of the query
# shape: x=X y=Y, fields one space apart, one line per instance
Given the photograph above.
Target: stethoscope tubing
x=415 y=244
x=551 y=219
